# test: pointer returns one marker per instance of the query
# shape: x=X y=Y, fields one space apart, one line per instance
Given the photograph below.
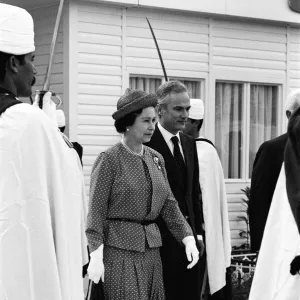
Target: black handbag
x=97 y=292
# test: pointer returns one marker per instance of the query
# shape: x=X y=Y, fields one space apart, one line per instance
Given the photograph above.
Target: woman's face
x=143 y=127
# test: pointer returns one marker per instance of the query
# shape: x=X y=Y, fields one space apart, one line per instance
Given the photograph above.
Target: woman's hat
x=133 y=100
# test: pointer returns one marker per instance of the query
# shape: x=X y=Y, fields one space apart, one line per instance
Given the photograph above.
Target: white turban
x=60 y=118
x=16 y=30
x=197 y=109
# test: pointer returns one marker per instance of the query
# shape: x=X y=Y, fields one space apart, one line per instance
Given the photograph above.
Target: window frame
x=246 y=114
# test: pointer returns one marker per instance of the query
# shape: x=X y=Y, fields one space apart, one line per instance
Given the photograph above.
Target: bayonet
x=46 y=84
x=157 y=47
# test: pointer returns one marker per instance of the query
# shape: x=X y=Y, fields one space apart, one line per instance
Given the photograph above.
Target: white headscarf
x=197 y=109
x=16 y=30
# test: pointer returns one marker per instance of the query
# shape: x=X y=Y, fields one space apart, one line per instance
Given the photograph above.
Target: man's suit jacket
x=190 y=193
x=266 y=169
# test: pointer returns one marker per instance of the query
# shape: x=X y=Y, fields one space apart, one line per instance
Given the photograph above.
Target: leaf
x=247 y=192
x=245 y=202
x=243 y=234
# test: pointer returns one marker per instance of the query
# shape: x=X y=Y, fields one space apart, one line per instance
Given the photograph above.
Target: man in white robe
x=281 y=240
x=281 y=243
x=215 y=211
x=42 y=206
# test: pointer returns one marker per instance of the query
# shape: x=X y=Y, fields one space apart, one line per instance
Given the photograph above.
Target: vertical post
x=70 y=70
x=125 y=75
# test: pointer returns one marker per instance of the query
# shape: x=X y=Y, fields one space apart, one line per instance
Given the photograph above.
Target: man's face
x=189 y=127
x=174 y=116
x=25 y=78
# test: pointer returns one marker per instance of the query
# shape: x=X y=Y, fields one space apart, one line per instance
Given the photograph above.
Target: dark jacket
x=180 y=282
x=292 y=165
x=117 y=178
x=190 y=192
x=266 y=169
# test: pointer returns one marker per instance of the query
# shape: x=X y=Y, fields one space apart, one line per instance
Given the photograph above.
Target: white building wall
x=183 y=41
x=44 y=20
x=114 y=42
x=275 y=10
x=294 y=56
x=99 y=65
x=245 y=51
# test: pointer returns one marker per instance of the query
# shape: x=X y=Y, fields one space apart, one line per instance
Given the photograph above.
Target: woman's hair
x=128 y=120
x=4 y=57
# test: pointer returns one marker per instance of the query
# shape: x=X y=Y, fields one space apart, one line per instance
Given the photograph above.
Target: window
x=246 y=115
x=147 y=84
x=194 y=87
x=151 y=84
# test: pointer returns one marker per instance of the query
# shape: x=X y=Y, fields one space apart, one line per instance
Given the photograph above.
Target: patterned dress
x=128 y=192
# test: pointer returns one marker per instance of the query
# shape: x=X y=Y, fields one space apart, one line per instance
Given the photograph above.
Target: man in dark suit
x=181 y=161
x=266 y=169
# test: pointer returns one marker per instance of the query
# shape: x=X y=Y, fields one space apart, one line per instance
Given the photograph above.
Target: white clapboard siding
x=249 y=47
x=44 y=20
x=294 y=38
x=236 y=209
x=183 y=41
x=99 y=78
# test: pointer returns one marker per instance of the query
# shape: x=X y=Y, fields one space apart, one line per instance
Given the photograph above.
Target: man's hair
x=4 y=57
x=168 y=88
x=293 y=101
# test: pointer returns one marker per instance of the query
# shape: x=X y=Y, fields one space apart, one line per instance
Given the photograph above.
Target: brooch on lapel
x=156 y=160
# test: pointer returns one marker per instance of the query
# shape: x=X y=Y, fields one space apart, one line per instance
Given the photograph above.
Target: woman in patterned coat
x=129 y=190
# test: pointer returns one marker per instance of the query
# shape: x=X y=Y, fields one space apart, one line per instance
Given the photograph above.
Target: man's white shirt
x=167 y=137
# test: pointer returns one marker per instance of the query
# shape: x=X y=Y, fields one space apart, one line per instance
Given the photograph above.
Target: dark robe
x=292 y=165
x=266 y=169
x=292 y=171
x=180 y=283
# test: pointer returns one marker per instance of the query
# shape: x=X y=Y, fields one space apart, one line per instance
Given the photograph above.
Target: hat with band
x=132 y=101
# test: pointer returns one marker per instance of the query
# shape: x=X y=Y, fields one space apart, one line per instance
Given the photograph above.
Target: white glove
x=49 y=107
x=192 y=253
x=96 y=266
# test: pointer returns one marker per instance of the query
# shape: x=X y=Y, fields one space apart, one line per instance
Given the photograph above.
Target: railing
x=242 y=271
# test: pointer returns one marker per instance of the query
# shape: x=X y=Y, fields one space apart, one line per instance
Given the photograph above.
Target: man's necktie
x=177 y=154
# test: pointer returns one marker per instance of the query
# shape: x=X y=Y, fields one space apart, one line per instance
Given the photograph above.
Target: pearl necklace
x=132 y=152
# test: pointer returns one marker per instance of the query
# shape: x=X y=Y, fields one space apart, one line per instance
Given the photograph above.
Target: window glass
x=229 y=124
x=147 y=84
x=263 y=117
x=193 y=87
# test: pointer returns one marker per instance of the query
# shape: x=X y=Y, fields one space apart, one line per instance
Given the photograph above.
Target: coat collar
x=5 y=91
x=159 y=144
